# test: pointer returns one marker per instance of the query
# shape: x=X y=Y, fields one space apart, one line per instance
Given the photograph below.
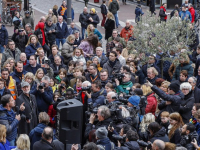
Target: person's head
x=136 y=85
x=7 y=101
x=164 y=86
x=146 y=89
x=199 y=71
x=19 y=66
x=40 y=52
x=85 y=9
x=109 y=87
x=186 y=1
x=17 y=14
x=93 y=40
x=23 y=142
x=32 y=60
x=152 y=59
x=44 y=118
x=25 y=87
x=27 y=13
x=173 y=88
x=114 y=33
x=195 y=108
x=175 y=119
x=72 y=25
x=28 y=27
x=99 y=51
x=128 y=23
x=187 y=129
x=110 y=15
x=80 y=80
x=96 y=60
x=103 y=113
x=56 y=95
x=69 y=93
x=64 y=3
x=29 y=77
x=119 y=51
x=111 y=96
x=11 y=45
x=54 y=49
x=50 y=12
x=39 y=74
x=104 y=74
x=92 y=69
x=7 y=65
x=49 y=21
x=116 y=41
x=170 y=146
x=183 y=58
x=183 y=75
x=159 y=81
x=133 y=101
x=185 y=87
x=91 y=145
x=153 y=128
x=57 y=60
x=91 y=27
x=127 y=77
x=164 y=5
x=183 y=8
x=78 y=52
x=62 y=73
x=190 y=6
x=78 y=71
x=152 y=72
x=86 y=84
x=2 y=84
x=4 y=73
x=33 y=39
x=2 y=133
x=46 y=80
x=71 y=39
x=60 y=19
x=42 y=19
x=11 y=61
x=92 y=11
x=164 y=116
x=96 y=86
x=112 y=56
x=101 y=133
x=47 y=134
x=198 y=49
x=23 y=57
x=176 y=14
x=71 y=65
x=131 y=135
x=158 y=145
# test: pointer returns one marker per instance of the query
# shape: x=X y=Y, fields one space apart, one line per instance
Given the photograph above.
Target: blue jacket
x=65 y=14
x=72 y=30
x=5 y=146
x=36 y=133
x=3 y=36
x=28 y=68
x=62 y=33
x=98 y=98
x=106 y=143
x=31 y=49
x=98 y=34
x=16 y=76
x=185 y=15
x=138 y=13
x=7 y=118
x=43 y=99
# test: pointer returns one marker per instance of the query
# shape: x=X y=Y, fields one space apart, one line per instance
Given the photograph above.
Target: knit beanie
x=134 y=100
x=93 y=10
x=101 y=133
x=174 y=86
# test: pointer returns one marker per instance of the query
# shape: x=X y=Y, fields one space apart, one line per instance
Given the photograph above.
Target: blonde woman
x=39 y=75
x=79 y=56
x=8 y=66
x=109 y=25
x=29 y=77
x=4 y=144
x=92 y=30
x=32 y=46
x=23 y=143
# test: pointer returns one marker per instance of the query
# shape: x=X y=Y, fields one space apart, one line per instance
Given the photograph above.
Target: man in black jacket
x=29 y=119
x=195 y=89
x=93 y=74
x=83 y=20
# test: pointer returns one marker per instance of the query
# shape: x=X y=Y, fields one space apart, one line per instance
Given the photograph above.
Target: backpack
x=101 y=147
x=196 y=16
x=143 y=104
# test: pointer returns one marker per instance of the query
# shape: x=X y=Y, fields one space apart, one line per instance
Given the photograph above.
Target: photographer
x=98 y=94
x=125 y=85
x=43 y=93
x=93 y=74
x=111 y=98
x=103 y=116
x=131 y=141
x=188 y=135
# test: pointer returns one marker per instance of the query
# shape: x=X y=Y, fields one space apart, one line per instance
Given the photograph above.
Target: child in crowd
x=165 y=120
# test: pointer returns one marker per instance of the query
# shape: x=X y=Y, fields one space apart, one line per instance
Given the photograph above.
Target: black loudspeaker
x=69 y=121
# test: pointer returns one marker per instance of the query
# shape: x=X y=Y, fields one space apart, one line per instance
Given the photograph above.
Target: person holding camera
x=103 y=117
x=93 y=74
x=126 y=84
x=43 y=93
x=188 y=135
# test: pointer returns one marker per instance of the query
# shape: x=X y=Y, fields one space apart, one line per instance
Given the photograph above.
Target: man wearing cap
x=29 y=117
x=28 y=19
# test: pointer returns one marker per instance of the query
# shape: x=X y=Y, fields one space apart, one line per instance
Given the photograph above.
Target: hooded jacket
x=113 y=7
x=7 y=118
x=163 y=16
x=40 y=33
x=160 y=135
x=3 y=35
x=130 y=145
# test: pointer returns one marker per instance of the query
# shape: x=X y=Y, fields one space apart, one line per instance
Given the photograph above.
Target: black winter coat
x=109 y=26
x=38 y=33
x=6 y=91
x=162 y=14
x=30 y=113
x=20 y=41
x=186 y=107
x=196 y=93
x=3 y=35
x=103 y=9
x=176 y=137
x=152 y=6
x=130 y=145
x=55 y=70
x=95 y=18
x=50 y=37
x=44 y=145
x=160 y=135
x=186 y=140
x=114 y=7
x=83 y=20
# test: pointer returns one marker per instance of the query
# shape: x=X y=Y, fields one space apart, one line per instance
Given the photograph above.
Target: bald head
x=42 y=19
x=60 y=19
x=110 y=96
x=47 y=133
x=85 y=9
x=50 y=11
x=128 y=23
x=158 y=145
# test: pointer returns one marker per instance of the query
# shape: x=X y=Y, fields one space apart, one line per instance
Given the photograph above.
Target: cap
x=27 y=12
x=23 y=84
x=101 y=133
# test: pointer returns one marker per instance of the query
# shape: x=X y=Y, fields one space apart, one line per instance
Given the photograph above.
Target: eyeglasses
x=185 y=89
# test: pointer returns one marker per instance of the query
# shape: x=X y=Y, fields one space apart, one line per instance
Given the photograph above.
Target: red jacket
x=152 y=103
x=192 y=11
x=52 y=113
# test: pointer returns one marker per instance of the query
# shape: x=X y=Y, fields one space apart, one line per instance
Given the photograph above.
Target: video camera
x=47 y=61
x=117 y=76
x=87 y=89
x=41 y=86
x=91 y=109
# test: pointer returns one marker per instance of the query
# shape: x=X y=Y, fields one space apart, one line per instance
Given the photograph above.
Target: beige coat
x=126 y=55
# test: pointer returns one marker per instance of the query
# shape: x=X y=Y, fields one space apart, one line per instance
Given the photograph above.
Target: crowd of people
x=127 y=105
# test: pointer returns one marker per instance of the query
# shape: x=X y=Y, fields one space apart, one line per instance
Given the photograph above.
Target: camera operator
x=104 y=77
x=43 y=93
x=126 y=84
x=93 y=74
x=98 y=94
x=104 y=119
x=188 y=134
x=111 y=97
x=131 y=141
x=125 y=69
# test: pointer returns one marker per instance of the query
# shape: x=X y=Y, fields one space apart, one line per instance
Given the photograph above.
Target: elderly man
x=195 y=89
x=127 y=31
x=28 y=29
x=30 y=114
x=103 y=59
x=52 y=16
x=28 y=19
x=63 y=31
x=158 y=145
x=111 y=97
x=24 y=59
x=152 y=75
x=72 y=28
x=83 y=21
x=114 y=35
x=42 y=19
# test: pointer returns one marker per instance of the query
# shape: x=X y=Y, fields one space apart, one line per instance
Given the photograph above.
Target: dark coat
x=30 y=112
x=138 y=13
x=40 y=37
x=109 y=26
x=165 y=125
x=43 y=99
x=20 y=41
x=52 y=58
x=162 y=14
x=28 y=68
x=184 y=140
x=160 y=135
x=78 y=42
x=62 y=33
x=186 y=107
x=6 y=91
x=72 y=14
x=104 y=59
x=152 y=81
x=16 y=76
x=196 y=67
x=103 y=9
x=196 y=93
x=44 y=145
x=140 y=75
x=50 y=37
x=55 y=70
x=106 y=143
x=116 y=68
x=83 y=20
x=113 y=7
x=146 y=66
x=95 y=18
x=98 y=98
x=130 y=145
x=3 y=35
x=152 y=6
x=176 y=138
x=31 y=49
x=36 y=133
x=88 y=77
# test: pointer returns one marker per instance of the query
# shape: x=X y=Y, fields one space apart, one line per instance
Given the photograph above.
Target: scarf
x=164 y=11
x=112 y=63
x=41 y=27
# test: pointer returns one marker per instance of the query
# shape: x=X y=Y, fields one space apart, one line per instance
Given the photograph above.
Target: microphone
x=17 y=110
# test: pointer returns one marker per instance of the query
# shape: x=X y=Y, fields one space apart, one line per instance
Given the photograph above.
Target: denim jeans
x=12 y=143
x=116 y=20
x=60 y=40
x=83 y=32
x=1 y=49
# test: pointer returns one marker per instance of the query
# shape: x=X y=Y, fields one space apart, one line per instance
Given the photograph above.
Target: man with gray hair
x=83 y=20
x=43 y=93
x=195 y=89
x=78 y=39
x=42 y=19
x=158 y=145
x=111 y=97
x=103 y=59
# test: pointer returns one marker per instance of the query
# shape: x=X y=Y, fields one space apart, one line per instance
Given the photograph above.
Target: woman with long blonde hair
x=4 y=144
x=39 y=75
x=92 y=30
x=109 y=25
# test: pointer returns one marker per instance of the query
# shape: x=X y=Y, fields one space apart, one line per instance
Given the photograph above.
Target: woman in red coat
x=151 y=99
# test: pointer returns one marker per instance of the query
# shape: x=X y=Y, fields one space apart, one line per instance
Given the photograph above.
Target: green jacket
x=124 y=87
